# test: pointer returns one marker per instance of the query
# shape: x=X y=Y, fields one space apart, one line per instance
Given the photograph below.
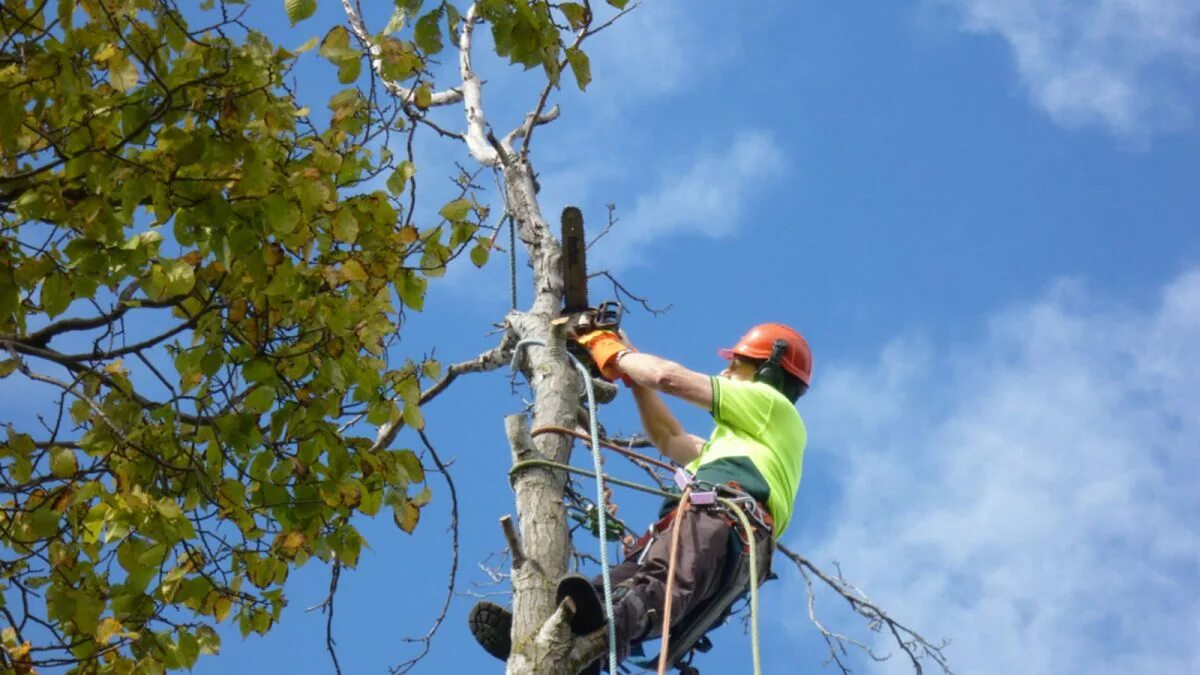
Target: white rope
x=602 y=507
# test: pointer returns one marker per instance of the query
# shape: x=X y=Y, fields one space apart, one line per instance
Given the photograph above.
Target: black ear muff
x=772 y=373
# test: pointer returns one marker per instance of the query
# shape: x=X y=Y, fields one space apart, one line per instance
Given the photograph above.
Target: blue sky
x=984 y=216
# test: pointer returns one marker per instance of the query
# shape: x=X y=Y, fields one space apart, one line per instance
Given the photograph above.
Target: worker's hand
x=605 y=346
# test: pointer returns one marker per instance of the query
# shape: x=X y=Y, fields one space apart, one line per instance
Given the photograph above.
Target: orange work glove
x=605 y=346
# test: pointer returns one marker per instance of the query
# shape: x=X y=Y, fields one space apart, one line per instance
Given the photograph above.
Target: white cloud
x=1128 y=65
x=1033 y=497
x=657 y=49
x=702 y=196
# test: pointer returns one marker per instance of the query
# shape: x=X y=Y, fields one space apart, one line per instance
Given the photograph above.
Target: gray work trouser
x=704 y=549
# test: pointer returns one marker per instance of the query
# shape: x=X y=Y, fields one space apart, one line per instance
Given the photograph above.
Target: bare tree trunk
x=545 y=541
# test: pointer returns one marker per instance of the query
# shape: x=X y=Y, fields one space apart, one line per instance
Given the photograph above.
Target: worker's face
x=739 y=369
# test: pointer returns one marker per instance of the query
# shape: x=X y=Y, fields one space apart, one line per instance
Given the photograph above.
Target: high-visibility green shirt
x=758 y=441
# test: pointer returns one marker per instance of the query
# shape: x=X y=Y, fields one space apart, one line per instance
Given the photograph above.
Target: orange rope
x=684 y=501
x=611 y=446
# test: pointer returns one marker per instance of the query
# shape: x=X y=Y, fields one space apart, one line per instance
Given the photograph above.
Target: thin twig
x=427 y=639
x=619 y=290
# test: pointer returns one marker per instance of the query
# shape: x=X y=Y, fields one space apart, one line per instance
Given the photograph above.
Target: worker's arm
x=652 y=374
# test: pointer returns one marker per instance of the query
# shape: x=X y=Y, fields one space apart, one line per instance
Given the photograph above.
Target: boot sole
x=491 y=626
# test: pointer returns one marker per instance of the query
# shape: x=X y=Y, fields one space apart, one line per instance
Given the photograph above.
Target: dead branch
x=427 y=639
x=326 y=607
x=912 y=643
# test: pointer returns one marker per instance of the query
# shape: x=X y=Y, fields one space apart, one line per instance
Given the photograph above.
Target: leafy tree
x=208 y=280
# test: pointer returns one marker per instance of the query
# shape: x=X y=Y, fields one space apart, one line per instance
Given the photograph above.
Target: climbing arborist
x=755 y=452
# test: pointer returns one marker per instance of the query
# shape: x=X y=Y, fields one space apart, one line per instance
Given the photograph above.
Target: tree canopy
x=207 y=279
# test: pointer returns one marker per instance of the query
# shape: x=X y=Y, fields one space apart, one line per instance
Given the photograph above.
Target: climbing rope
x=749 y=529
x=684 y=501
x=512 y=259
x=633 y=456
x=751 y=544
x=602 y=507
x=548 y=464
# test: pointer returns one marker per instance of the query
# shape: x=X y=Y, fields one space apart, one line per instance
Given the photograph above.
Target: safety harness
x=747 y=564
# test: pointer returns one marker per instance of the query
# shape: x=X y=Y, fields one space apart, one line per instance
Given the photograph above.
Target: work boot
x=589 y=610
x=630 y=612
x=491 y=625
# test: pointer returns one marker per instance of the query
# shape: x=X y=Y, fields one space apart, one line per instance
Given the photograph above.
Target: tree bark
x=556 y=390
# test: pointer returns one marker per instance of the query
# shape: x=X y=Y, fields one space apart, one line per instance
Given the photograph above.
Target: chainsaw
x=581 y=318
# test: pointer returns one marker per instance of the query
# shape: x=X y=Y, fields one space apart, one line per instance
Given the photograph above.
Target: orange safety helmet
x=759 y=342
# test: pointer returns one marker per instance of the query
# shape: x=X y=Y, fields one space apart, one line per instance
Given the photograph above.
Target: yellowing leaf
x=105 y=53
x=180 y=278
x=353 y=271
x=221 y=608
x=308 y=44
x=424 y=96
x=7 y=367
x=292 y=542
x=345 y=226
x=122 y=73
x=406 y=516
x=107 y=629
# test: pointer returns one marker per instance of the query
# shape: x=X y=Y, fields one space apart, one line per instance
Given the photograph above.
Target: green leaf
x=345 y=226
x=348 y=70
x=456 y=210
x=299 y=10
x=259 y=371
x=180 y=278
x=55 y=295
x=63 y=462
x=7 y=367
x=413 y=417
x=580 y=66
x=576 y=14
x=336 y=45
x=411 y=464
x=411 y=289
x=261 y=399
x=400 y=177
x=428 y=33
x=281 y=214
x=479 y=255
x=619 y=4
